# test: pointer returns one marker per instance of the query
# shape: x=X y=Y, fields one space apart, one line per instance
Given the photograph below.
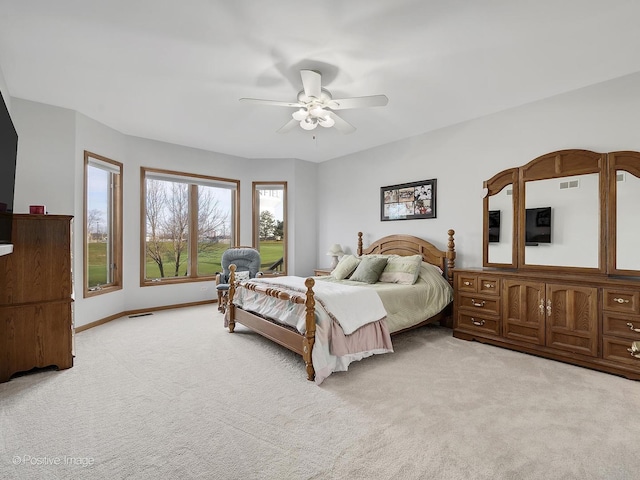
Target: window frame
x=198 y=179
x=114 y=227
x=256 y=217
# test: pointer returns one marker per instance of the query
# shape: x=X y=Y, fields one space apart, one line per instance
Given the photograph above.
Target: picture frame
x=408 y=201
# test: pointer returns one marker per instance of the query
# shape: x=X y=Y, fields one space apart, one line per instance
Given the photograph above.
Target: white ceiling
x=174 y=70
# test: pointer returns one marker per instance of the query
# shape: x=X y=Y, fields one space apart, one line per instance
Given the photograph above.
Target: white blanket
x=351 y=307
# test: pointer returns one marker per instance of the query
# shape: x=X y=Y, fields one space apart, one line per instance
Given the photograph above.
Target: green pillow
x=346 y=265
x=369 y=270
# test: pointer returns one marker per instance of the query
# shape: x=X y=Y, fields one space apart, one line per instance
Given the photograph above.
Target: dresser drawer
x=617 y=350
x=478 y=324
x=488 y=285
x=627 y=326
x=466 y=282
x=627 y=301
x=479 y=303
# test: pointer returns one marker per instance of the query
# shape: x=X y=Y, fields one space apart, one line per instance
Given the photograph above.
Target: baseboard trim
x=126 y=313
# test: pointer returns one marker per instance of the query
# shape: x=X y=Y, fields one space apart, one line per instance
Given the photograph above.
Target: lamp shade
x=326 y=121
x=300 y=115
x=335 y=250
x=309 y=123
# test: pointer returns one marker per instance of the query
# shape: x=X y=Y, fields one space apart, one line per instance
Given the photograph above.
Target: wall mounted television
x=8 y=154
x=494 y=226
x=538 y=226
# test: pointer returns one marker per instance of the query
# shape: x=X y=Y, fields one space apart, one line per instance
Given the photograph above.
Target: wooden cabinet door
x=523 y=314
x=572 y=318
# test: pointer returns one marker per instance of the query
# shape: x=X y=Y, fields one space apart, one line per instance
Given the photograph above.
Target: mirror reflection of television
x=538 y=226
x=494 y=226
x=8 y=152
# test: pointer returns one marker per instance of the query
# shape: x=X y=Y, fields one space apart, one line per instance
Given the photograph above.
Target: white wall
x=5 y=91
x=602 y=118
x=50 y=171
x=45 y=169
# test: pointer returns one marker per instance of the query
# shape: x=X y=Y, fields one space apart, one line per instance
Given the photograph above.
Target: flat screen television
x=8 y=154
x=538 y=226
x=494 y=226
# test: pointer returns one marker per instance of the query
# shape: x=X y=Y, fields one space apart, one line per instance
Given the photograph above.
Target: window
x=188 y=222
x=270 y=225
x=102 y=224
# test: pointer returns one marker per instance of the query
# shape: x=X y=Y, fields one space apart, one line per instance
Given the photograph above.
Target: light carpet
x=174 y=395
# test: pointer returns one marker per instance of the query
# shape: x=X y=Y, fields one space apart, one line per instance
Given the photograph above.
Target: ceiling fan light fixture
x=317 y=111
x=326 y=121
x=309 y=123
x=300 y=115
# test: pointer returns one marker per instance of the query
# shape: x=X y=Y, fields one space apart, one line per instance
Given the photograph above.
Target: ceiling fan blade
x=311 y=82
x=274 y=103
x=287 y=127
x=358 y=102
x=342 y=125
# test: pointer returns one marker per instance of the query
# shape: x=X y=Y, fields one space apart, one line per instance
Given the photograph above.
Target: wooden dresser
x=577 y=319
x=561 y=264
x=36 y=288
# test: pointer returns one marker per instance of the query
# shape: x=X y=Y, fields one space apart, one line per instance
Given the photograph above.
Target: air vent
x=620 y=176
x=510 y=192
x=141 y=314
x=569 y=184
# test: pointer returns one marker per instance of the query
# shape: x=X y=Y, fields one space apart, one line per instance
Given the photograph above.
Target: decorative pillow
x=428 y=272
x=403 y=270
x=346 y=265
x=240 y=276
x=369 y=270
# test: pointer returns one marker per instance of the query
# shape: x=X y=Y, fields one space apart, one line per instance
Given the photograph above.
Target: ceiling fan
x=315 y=105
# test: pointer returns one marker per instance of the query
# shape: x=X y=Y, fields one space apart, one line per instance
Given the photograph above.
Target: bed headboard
x=409 y=245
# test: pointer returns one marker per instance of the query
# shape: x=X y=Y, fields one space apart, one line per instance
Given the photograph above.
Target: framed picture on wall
x=408 y=201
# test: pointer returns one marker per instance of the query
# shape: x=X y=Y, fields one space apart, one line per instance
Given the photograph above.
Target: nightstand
x=322 y=272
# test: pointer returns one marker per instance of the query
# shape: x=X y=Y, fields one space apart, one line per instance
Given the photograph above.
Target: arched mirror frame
x=494 y=186
x=629 y=162
x=563 y=163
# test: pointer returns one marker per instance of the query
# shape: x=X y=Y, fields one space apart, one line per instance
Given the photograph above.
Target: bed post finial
x=310 y=333
x=359 y=243
x=451 y=256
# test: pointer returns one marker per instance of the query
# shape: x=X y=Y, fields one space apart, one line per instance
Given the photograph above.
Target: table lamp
x=335 y=251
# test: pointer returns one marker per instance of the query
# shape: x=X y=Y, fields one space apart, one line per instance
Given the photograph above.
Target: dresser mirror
x=627 y=221
x=562 y=221
x=499 y=219
x=624 y=213
x=552 y=214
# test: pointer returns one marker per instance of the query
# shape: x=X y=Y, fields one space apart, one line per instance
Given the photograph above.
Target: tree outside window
x=189 y=221
x=102 y=225
x=269 y=213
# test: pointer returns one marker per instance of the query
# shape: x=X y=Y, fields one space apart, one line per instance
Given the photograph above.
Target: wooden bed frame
x=303 y=344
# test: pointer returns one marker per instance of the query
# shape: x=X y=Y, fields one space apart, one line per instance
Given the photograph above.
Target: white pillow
x=345 y=267
x=240 y=276
x=429 y=272
x=403 y=270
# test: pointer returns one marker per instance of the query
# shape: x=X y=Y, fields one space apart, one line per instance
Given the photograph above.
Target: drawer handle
x=634 y=353
x=630 y=325
x=620 y=300
x=467 y=283
x=476 y=304
x=476 y=322
x=489 y=285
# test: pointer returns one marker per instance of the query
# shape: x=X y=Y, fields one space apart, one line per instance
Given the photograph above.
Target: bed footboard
x=294 y=341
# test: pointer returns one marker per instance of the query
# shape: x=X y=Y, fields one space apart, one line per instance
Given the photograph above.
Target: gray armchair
x=246 y=259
